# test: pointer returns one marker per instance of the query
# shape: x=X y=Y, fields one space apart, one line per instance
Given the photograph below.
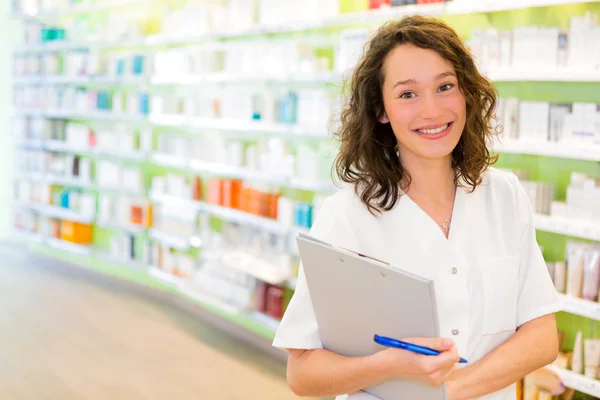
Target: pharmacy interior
x=184 y=145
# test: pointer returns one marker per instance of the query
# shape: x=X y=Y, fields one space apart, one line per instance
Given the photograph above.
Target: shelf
x=253 y=266
x=33 y=237
x=484 y=6
x=569 y=227
x=167 y=160
x=98 y=6
x=223 y=78
x=61 y=213
x=31 y=144
x=78 y=80
x=68 y=181
x=268 y=322
x=78 y=115
x=232 y=125
x=210 y=300
x=582 y=307
x=131 y=155
x=108 y=258
x=120 y=226
x=123 y=190
x=244 y=218
x=516 y=74
x=576 y=381
x=64 y=147
x=165 y=277
x=251 y=175
x=68 y=246
x=172 y=240
x=588 y=152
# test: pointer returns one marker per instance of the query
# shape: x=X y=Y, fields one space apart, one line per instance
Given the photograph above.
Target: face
x=423 y=103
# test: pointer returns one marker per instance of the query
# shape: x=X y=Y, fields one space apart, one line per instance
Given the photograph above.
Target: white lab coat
x=490 y=274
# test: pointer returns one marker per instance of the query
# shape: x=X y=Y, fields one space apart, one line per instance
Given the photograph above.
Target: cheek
x=402 y=115
x=457 y=104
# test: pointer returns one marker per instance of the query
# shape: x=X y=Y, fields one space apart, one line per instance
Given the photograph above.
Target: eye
x=407 y=95
x=445 y=87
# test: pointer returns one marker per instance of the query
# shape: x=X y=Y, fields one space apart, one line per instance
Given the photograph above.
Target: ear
x=384 y=119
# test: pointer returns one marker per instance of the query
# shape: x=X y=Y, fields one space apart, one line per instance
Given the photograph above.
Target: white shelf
x=482 y=6
x=231 y=125
x=30 y=176
x=244 y=218
x=131 y=155
x=68 y=246
x=210 y=300
x=33 y=237
x=170 y=239
x=251 y=175
x=97 y=6
x=576 y=381
x=569 y=227
x=165 y=277
x=60 y=146
x=68 y=181
x=173 y=201
x=121 y=226
x=253 y=266
x=62 y=213
x=167 y=160
x=33 y=144
x=78 y=80
x=269 y=322
x=106 y=257
x=584 y=308
x=516 y=74
x=588 y=152
x=123 y=190
x=221 y=78
x=78 y=115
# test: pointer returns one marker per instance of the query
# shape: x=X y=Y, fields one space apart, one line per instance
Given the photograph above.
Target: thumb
x=439 y=344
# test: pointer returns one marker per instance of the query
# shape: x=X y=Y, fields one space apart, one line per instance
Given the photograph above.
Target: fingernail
x=560 y=391
x=447 y=341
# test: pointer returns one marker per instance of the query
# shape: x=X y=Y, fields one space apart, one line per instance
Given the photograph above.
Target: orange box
x=236 y=188
x=75 y=232
x=137 y=215
x=215 y=191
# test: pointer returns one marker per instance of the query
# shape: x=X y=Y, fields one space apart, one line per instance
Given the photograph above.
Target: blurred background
x=159 y=158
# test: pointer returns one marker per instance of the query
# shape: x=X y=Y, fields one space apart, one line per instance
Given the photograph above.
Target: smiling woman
x=422 y=192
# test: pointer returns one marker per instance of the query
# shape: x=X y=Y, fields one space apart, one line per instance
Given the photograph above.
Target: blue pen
x=397 y=344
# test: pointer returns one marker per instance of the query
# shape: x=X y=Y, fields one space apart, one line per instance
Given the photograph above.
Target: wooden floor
x=67 y=338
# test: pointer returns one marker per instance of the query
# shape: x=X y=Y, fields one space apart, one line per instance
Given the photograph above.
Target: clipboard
x=355 y=297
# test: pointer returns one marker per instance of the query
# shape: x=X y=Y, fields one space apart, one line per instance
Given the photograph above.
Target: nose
x=431 y=108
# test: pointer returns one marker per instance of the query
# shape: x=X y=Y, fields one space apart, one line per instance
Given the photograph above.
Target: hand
x=432 y=370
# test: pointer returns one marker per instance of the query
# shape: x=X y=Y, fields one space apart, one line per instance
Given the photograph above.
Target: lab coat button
x=455 y=332
x=454 y=271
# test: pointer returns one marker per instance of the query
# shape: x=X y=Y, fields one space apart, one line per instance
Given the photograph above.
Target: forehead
x=411 y=62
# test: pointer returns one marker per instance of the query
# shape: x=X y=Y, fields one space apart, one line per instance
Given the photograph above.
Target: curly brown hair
x=368 y=155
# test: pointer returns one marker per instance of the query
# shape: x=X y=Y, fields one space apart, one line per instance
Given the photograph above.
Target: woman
x=413 y=149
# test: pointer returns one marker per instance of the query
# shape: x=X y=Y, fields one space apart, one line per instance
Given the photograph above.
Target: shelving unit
x=584 y=308
x=249 y=129
x=548 y=149
x=576 y=381
x=569 y=227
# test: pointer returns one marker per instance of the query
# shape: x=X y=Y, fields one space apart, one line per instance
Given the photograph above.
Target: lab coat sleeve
x=298 y=328
x=537 y=295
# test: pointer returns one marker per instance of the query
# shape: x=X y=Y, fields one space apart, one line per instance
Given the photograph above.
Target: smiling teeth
x=433 y=131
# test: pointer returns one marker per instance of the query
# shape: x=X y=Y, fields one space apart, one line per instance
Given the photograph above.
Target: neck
x=430 y=178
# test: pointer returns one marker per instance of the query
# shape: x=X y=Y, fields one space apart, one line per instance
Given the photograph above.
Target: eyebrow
x=413 y=82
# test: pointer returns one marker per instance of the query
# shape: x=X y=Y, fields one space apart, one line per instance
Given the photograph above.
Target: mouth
x=435 y=132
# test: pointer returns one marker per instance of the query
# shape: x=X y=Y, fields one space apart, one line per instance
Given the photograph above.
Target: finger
x=444 y=361
x=439 y=344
